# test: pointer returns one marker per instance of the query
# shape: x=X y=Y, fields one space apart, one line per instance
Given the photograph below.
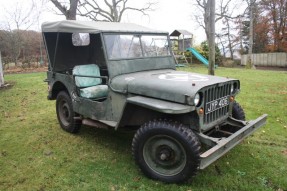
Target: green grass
x=35 y=154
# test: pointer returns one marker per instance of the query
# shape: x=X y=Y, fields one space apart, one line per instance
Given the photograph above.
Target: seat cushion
x=98 y=91
x=87 y=70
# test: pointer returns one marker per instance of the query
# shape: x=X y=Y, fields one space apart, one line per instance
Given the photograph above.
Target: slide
x=198 y=56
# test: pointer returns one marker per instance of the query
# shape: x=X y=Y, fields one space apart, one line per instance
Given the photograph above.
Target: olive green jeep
x=122 y=76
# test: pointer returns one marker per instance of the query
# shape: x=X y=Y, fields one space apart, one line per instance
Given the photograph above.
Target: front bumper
x=220 y=146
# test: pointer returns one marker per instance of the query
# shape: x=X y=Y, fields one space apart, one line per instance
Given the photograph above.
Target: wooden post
x=1 y=72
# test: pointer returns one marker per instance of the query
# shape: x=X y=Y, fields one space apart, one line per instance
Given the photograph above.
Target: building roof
x=71 y=26
x=180 y=32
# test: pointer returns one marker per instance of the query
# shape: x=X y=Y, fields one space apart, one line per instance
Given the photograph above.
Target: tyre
x=238 y=112
x=166 y=151
x=65 y=113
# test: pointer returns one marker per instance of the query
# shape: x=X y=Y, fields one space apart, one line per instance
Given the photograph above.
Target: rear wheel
x=238 y=112
x=166 y=151
x=65 y=113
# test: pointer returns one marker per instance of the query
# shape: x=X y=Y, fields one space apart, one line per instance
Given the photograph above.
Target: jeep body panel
x=171 y=85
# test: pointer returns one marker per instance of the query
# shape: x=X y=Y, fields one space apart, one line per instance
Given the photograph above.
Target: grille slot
x=214 y=93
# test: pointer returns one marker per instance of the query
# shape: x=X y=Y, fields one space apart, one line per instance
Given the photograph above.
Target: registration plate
x=216 y=104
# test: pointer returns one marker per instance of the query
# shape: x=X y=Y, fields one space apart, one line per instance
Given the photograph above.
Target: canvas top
x=71 y=26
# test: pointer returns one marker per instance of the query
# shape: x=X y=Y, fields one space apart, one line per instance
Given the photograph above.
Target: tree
x=96 y=10
x=1 y=72
x=71 y=12
x=202 y=14
x=109 y=10
x=203 y=49
x=207 y=19
x=32 y=41
x=261 y=30
x=277 y=13
x=18 y=19
x=227 y=36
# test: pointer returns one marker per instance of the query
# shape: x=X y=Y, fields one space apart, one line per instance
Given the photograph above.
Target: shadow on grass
x=112 y=138
x=7 y=85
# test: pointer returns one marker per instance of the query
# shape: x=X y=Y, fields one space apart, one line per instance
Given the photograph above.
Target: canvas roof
x=71 y=26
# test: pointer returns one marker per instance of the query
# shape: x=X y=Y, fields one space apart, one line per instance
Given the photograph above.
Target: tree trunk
x=223 y=47
x=71 y=13
x=211 y=39
x=241 y=37
x=229 y=39
x=250 y=50
x=1 y=72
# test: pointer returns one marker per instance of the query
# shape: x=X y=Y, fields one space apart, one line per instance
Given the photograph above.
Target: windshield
x=136 y=46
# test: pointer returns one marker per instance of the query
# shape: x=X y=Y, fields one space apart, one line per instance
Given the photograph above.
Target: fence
x=266 y=59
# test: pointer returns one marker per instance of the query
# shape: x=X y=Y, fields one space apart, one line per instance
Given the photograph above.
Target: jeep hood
x=175 y=86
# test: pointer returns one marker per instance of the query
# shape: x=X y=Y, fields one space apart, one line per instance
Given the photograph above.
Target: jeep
x=123 y=76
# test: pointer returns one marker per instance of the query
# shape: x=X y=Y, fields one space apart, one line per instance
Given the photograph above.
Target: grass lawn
x=35 y=154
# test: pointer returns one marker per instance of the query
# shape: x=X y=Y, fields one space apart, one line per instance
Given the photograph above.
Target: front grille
x=214 y=93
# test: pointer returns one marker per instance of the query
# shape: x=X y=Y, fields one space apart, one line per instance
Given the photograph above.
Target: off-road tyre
x=65 y=113
x=238 y=112
x=166 y=151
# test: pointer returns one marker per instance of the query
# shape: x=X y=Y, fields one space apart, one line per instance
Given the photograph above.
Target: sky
x=168 y=15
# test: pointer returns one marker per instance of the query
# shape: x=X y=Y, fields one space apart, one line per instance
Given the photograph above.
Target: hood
x=175 y=86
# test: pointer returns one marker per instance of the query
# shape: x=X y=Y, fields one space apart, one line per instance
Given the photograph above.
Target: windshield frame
x=142 y=49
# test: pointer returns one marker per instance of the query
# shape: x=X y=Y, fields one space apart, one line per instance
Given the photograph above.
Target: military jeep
x=122 y=76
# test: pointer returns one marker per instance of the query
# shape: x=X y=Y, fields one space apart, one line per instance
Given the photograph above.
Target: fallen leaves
x=284 y=152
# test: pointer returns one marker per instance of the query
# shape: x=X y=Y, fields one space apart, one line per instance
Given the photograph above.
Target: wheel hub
x=164 y=155
x=64 y=112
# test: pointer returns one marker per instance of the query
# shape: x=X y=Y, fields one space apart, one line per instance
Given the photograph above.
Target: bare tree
x=18 y=19
x=109 y=10
x=227 y=12
x=228 y=34
x=206 y=20
x=222 y=43
x=202 y=17
x=68 y=9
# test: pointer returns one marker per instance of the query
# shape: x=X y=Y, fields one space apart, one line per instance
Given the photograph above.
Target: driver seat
x=89 y=81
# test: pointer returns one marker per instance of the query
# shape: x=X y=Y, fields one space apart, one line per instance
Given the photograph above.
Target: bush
x=203 y=49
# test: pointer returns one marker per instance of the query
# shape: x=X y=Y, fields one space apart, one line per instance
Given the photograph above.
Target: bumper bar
x=223 y=145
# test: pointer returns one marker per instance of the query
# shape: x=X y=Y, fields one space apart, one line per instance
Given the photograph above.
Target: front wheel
x=166 y=151
x=65 y=113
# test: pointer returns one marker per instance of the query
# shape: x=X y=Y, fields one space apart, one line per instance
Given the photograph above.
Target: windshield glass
x=136 y=46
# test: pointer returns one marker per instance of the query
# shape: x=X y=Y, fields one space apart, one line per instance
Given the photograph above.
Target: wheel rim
x=164 y=155
x=64 y=112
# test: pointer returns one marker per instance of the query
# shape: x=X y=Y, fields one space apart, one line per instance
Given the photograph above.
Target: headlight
x=196 y=99
x=232 y=89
